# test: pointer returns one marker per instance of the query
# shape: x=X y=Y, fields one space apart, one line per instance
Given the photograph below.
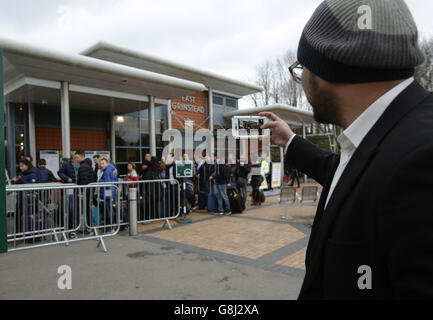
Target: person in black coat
x=85 y=176
x=372 y=233
x=256 y=182
x=220 y=175
x=243 y=169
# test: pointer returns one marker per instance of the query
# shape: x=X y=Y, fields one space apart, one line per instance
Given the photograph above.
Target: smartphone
x=249 y=127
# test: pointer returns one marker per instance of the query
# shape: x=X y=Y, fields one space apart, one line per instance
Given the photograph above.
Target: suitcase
x=212 y=203
x=236 y=201
x=34 y=222
x=202 y=199
x=259 y=196
x=96 y=216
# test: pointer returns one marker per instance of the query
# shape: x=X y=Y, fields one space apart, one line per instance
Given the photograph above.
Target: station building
x=106 y=99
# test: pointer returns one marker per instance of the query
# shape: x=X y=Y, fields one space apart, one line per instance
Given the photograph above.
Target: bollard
x=132 y=204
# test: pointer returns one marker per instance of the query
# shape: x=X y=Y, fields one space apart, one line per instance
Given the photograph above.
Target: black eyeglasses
x=296 y=70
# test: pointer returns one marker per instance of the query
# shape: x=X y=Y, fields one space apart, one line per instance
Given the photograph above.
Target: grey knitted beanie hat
x=356 y=41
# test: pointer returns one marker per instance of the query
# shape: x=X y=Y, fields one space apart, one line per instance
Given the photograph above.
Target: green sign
x=3 y=218
x=184 y=169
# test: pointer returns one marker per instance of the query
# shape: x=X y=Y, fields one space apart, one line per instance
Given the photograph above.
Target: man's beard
x=324 y=103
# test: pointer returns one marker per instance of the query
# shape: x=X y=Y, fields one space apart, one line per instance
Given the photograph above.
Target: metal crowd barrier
x=289 y=197
x=148 y=201
x=46 y=214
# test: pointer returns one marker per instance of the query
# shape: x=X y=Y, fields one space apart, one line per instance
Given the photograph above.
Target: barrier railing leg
x=167 y=223
x=132 y=199
x=286 y=216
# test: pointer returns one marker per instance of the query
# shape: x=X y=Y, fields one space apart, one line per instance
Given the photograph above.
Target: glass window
x=19 y=135
x=145 y=142
x=218 y=100
x=231 y=103
x=127 y=155
x=19 y=114
x=127 y=132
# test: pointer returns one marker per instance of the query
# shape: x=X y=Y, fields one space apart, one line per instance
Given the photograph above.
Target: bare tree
x=424 y=73
x=278 y=85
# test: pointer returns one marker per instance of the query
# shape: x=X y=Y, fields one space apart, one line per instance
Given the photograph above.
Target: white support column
x=66 y=124
x=32 y=129
x=169 y=124
x=113 y=137
x=211 y=129
x=152 y=134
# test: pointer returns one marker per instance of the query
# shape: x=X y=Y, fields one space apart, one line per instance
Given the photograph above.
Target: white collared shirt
x=351 y=138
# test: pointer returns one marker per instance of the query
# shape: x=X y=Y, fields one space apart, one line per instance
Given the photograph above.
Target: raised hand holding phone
x=280 y=130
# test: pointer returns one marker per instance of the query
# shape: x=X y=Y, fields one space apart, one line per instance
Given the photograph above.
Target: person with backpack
x=45 y=175
x=68 y=174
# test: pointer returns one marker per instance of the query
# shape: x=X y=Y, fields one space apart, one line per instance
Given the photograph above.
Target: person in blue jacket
x=108 y=194
x=28 y=175
x=68 y=171
x=35 y=168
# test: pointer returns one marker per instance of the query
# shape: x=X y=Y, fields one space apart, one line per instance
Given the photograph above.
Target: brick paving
x=258 y=237
x=296 y=260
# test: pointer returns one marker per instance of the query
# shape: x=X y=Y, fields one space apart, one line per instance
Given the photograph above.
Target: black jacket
x=221 y=174
x=380 y=214
x=243 y=171
x=85 y=172
x=46 y=175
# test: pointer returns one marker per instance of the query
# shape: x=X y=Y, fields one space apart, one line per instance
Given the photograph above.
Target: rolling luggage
x=212 y=203
x=202 y=199
x=96 y=216
x=259 y=197
x=34 y=222
x=236 y=201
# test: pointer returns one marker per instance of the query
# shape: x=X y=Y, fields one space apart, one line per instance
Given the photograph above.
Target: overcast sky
x=229 y=37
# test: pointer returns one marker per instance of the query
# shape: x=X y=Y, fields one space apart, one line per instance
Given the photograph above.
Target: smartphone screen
x=251 y=124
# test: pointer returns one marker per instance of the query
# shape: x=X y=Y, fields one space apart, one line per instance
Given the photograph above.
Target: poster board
x=184 y=169
x=53 y=160
x=90 y=154
x=276 y=174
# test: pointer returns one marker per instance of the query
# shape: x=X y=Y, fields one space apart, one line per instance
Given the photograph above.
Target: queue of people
x=218 y=186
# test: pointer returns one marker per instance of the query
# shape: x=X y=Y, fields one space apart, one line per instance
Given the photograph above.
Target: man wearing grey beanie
x=372 y=237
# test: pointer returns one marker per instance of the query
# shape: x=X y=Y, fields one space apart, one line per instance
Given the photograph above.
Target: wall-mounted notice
x=53 y=160
x=276 y=174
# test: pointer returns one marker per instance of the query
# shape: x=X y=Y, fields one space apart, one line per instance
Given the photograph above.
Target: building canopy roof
x=291 y=115
x=23 y=60
x=110 y=52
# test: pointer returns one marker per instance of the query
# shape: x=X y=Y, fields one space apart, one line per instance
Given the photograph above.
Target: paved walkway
x=254 y=255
